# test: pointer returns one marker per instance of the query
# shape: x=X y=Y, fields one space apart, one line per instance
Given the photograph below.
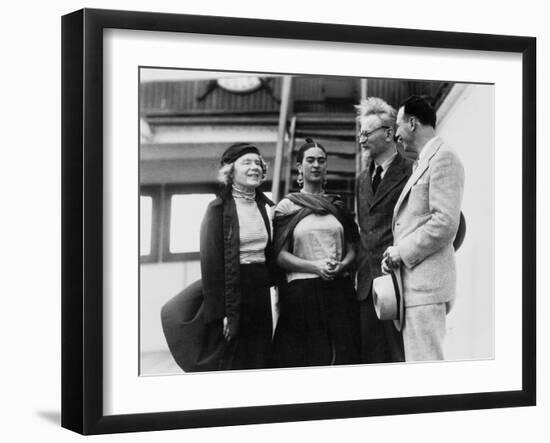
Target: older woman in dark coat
x=236 y=255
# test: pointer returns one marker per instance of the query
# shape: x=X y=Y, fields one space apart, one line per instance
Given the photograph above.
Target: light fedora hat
x=387 y=293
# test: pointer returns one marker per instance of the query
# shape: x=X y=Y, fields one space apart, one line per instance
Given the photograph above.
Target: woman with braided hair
x=314 y=242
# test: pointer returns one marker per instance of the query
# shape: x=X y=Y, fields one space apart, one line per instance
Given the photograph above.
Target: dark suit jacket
x=374 y=213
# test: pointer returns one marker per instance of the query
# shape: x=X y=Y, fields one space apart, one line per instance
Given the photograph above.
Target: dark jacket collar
x=225 y=194
x=398 y=169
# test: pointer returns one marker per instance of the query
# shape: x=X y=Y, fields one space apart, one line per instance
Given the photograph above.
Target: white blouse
x=315 y=237
x=253 y=235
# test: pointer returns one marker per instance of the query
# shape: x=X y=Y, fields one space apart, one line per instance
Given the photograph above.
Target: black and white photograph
x=275 y=222
x=285 y=221
x=293 y=221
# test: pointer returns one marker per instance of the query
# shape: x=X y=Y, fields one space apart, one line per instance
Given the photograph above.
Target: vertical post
x=364 y=84
x=358 y=153
x=290 y=150
x=283 y=116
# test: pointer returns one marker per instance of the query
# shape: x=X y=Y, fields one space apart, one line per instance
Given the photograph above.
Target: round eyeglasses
x=367 y=134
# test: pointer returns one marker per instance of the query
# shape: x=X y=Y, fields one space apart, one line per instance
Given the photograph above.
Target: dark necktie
x=377 y=178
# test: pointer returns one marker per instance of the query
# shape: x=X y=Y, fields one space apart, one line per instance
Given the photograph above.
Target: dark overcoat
x=375 y=213
x=189 y=319
x=219 y=246
x=380 y=341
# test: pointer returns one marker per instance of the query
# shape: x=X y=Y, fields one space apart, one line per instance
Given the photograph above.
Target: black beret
x=238 y=150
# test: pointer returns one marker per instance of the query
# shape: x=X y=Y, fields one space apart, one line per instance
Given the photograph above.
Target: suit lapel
x=392 y=177
x=417 y=173
x=366 y=186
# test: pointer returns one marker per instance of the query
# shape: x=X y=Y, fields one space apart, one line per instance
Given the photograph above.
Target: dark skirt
x=251 y=347
x=318 y=324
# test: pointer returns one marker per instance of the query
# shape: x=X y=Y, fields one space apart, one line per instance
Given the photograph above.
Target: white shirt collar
x=386 y=164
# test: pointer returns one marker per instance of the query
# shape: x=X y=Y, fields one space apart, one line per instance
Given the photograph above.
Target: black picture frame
x=82 y=221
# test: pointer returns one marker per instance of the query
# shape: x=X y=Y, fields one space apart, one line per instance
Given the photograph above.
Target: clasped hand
x=328 y=269
x=228 y=329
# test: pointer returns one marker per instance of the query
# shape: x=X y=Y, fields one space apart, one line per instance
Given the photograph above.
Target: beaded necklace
x=239 y=193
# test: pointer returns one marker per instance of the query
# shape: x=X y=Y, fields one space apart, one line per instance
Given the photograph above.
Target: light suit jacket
x=425 y=220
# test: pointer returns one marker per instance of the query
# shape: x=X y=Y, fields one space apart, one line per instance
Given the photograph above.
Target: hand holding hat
x=387 y=293
x=391 y=259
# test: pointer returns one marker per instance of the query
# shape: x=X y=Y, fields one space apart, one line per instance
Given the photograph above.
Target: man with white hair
x=378 y=188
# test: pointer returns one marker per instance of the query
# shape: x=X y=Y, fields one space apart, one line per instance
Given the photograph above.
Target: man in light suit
x=378 y=188
x=425 y=222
